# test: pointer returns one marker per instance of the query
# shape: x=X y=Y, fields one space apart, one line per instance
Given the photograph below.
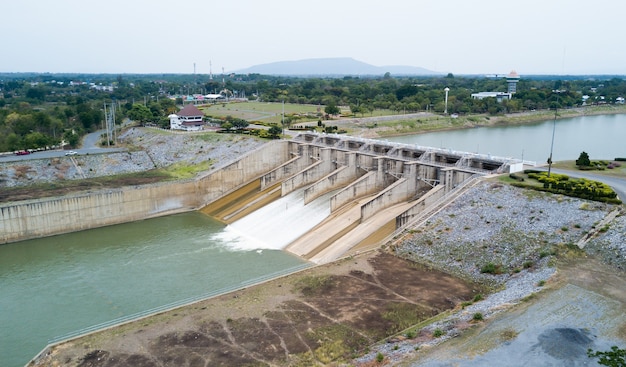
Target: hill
x=340 y=66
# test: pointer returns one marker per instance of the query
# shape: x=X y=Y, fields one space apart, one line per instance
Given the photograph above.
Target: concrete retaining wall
x=394 y=194
x=39 y=218
x=365 y=185
x=341 y=177
x=422 y=204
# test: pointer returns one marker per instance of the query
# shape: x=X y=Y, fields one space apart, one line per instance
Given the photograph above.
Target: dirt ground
x=322 y=315
x=582 y=308
x=71 y=187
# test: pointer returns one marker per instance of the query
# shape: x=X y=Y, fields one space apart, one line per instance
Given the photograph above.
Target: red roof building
x=189 y=118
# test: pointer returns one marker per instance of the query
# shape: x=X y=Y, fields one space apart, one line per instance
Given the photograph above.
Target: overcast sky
x=457 y=36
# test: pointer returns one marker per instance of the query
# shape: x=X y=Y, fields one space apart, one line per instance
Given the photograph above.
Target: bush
x=438 y=333
x=616 y=357
x=478 y=316
x=380 y=357
x=491 y=268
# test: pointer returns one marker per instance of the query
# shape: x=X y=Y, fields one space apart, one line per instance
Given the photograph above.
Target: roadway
x=90 y=145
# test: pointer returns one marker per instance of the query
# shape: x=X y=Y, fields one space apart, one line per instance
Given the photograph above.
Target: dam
x=371 y=189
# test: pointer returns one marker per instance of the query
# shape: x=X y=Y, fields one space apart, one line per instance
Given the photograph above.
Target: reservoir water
x=53 y=286
x=602 y=137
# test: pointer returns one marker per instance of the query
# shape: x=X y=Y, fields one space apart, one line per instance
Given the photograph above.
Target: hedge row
x=581 y=188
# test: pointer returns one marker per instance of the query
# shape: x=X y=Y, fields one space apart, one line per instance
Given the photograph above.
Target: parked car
x=22 y=152
x=71 y=152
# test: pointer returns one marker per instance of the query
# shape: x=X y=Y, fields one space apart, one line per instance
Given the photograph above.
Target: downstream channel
x=55 y=286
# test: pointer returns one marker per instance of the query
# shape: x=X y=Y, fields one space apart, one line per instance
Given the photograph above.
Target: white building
x=499 y=96
x=189 y=118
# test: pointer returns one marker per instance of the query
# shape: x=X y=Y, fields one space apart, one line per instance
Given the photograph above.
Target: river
x=602 y=137
x=57 y=285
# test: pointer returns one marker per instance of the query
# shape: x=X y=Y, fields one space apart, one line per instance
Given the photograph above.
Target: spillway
x=277 y=224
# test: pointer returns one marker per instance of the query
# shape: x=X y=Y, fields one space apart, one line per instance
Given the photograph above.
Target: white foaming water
x=277 y=224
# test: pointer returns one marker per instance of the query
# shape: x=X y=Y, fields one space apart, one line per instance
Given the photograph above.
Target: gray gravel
x=515 y=230
x=148 y=148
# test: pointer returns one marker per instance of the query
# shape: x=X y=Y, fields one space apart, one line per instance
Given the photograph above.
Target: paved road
x=91 y=145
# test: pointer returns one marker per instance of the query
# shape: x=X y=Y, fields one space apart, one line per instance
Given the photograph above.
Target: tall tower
x=511 y=81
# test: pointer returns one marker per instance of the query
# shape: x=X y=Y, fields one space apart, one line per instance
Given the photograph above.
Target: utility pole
x=552 y=143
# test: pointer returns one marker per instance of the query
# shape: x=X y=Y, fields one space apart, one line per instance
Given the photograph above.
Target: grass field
x=262 y=111
x=615 y=172
x=271 y=112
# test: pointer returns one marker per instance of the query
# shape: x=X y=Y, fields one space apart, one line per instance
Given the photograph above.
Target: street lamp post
x=556 y=108
x=445 y=112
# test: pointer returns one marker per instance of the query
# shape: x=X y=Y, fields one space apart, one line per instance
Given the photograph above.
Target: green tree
x=12 y=142
x=331 y=108
x=36 y=140
x=240 y=124
x=583 y=160
x=226 y=125
x=275 y=131
x=140 y=113
x=616 y=357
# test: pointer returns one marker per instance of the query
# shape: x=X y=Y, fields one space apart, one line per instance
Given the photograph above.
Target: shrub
x=438 y=333
x=616 y=357
x=478 y=297
x=380 y=357
x=478 y=316
x=491 y=268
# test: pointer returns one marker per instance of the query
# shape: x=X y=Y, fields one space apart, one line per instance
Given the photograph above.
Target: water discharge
x=277 y=224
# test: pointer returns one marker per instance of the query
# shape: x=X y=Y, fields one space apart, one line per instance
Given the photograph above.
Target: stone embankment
x=504 y=237
x=147 y=149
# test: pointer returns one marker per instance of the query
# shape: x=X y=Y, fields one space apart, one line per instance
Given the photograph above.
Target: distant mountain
x=341 y=66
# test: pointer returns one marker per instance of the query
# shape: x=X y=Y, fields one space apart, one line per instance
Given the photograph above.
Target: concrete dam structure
x=372 y=189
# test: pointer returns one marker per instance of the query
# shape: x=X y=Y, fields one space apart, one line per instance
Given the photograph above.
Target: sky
x=448 y=36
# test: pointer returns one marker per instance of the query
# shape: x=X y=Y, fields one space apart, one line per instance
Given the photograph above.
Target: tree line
x=41 y=110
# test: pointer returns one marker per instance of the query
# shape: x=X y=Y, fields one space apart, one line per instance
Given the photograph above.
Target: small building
x=190 y=118
x=499 y=96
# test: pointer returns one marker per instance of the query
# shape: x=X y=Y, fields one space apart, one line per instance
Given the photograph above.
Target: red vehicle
x=22 y=152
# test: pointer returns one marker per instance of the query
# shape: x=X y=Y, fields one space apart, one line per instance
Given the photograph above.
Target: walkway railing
x=420 y=147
